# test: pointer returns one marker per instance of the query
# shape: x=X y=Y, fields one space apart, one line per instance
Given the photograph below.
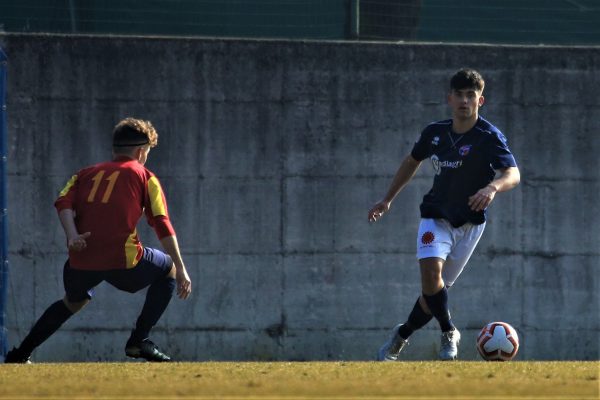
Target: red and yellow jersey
x=108 y=200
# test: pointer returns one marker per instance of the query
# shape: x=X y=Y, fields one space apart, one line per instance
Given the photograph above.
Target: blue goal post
x=3 y=205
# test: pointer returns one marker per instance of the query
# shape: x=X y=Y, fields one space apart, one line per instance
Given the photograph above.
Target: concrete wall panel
x=271 y=153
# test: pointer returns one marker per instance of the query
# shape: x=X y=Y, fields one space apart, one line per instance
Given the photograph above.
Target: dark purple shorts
x=79 y=284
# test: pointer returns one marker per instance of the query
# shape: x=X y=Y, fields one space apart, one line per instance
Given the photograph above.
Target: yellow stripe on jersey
x=131 y=250
x=157 y=204
x=68 y=186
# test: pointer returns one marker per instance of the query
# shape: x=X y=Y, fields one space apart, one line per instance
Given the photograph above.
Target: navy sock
x=157 y=299
x=46 y=325
x=417 y=319
x=438 y=304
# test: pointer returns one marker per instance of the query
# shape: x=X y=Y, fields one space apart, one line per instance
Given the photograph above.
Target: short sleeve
x=156 y=209
x=500 y=155
x=66 y=198
x=422 y=147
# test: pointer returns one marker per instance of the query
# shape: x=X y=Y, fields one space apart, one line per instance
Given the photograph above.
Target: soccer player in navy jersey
x=472 y=163
x=99 y=209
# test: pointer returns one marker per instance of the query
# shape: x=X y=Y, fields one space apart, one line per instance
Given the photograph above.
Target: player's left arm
x=508 y=179
x=158 y=218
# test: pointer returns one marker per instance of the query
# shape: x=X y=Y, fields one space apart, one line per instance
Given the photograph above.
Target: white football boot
x=449 y=348
x=392 y=348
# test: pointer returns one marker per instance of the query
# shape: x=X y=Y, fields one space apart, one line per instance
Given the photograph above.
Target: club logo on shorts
x=464 y=150
x=428 y=237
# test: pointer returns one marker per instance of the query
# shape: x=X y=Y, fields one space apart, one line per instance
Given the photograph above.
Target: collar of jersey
x=123 y=158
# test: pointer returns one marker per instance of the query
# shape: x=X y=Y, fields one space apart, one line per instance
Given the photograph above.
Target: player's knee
x=172 y=272
x=431 y=281
x=75 y=306
x=431 y=276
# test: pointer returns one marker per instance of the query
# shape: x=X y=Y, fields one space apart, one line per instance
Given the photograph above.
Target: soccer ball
x=498 y=341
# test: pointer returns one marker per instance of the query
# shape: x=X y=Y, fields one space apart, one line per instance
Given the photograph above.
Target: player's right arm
x=64 y=206
x=75 y=240
x=405 y=173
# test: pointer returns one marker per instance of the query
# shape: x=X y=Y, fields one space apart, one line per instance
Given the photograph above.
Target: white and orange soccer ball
x=498 y=341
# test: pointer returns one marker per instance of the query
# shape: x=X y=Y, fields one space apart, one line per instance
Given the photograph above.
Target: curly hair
x=132 y=132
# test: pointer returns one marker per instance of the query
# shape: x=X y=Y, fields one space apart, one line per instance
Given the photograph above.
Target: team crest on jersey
x=464 y=150
x=435 y=141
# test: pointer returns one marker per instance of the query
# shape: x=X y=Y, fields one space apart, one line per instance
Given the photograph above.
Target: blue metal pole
x=3 y=205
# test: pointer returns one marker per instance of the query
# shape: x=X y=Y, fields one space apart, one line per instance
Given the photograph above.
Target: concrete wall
x=271 y=153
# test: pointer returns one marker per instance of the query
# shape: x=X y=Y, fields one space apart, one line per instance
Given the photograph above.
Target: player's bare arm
x=75 y=240
x=508 y=179
x=405 y=173
x=184 y=283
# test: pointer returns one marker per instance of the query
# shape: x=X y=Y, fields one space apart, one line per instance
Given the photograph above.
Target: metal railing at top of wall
x=567 y=22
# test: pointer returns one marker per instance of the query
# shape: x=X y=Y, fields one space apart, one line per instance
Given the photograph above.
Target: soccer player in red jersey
x=99 y=209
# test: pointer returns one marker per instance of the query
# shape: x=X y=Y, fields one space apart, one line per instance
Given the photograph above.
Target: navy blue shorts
x=79 y=284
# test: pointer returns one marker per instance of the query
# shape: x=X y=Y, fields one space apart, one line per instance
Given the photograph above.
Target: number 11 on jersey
x=112 y=179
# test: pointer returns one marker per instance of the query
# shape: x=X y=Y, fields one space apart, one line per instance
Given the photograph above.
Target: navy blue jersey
x=463 y=163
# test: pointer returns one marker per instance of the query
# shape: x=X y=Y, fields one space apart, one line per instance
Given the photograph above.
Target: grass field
x=298 y=380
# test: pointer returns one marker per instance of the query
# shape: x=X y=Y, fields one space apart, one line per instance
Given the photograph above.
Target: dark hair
x=467 y=78
x=132 y=132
